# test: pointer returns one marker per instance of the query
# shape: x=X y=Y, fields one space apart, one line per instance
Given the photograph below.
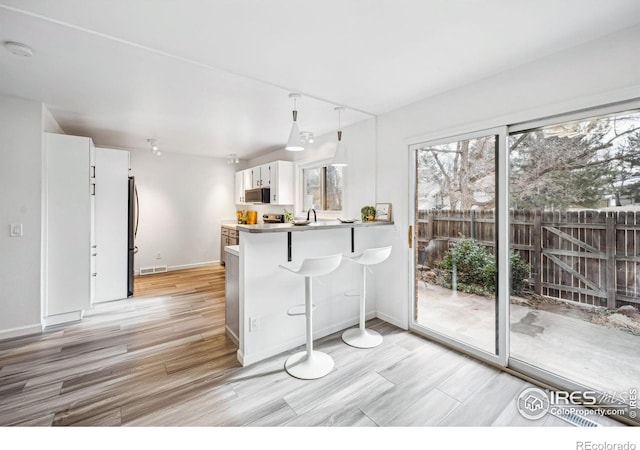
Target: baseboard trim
x=247 y=360
x=191 y=266
x=232 y=335
x=184 y=266
x=392 y=320
x=20 y=331
x=240 y=356
x=60 y=319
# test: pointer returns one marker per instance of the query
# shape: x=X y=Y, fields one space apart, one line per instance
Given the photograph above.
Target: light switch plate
x=16 y=230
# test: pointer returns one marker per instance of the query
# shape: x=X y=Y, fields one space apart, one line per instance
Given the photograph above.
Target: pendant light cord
x=295 y=110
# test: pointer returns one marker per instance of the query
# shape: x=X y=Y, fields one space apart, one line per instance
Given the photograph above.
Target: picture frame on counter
x=383 y=212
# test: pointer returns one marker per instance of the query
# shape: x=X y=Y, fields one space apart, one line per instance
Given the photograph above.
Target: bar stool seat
x=361 y=337
x=310 y=364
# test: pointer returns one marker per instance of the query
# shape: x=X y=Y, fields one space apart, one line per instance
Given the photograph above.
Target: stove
x=273 y=218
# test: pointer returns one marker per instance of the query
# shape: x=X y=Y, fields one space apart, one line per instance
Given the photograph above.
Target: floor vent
x=150 y=270
x=575 y=419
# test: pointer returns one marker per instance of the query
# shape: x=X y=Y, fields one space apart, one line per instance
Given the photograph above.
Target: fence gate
x=577 y=256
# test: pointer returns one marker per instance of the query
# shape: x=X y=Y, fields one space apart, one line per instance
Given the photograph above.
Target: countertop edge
x=233 y=249
x=229 y=225
x=288 y=227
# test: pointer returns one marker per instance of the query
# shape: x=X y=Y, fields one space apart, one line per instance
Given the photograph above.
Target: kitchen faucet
x=314 y=214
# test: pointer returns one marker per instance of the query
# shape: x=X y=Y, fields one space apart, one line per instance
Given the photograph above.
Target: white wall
x=21 y=125
x=596 y=73
x=183 y=200
x=49 y=124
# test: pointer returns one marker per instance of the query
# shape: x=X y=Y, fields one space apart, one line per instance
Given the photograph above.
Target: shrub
x=475 y=268
x=519 y=272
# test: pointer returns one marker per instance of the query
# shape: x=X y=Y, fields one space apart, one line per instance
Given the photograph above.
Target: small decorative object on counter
x=239 y=216
x=383 y=212
x=288 y=216
x=252 y=217
x=368 y=213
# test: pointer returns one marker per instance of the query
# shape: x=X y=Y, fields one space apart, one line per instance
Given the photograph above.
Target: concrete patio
x=559 y=341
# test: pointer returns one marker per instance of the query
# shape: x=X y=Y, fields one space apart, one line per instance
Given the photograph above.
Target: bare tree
x=577 y=164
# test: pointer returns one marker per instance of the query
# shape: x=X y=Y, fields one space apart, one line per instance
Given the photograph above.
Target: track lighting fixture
x=154 y=147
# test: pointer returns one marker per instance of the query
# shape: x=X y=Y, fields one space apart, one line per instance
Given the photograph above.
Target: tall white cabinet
x=85 y=219
x=111 y=225
x=68 y=227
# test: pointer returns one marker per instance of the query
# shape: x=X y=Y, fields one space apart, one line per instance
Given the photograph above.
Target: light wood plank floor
x=162 y=358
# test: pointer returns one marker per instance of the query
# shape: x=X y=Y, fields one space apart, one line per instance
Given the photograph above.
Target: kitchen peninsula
x=266 y=291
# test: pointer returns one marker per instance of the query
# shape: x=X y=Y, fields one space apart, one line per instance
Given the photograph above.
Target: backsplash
x=264 y=209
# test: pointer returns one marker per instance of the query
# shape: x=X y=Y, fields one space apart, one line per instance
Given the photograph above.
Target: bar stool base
x=316 y=365
x=356 y=337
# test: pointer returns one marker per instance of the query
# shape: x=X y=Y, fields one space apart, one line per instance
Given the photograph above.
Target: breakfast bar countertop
x=320 y=225
x=267 y=292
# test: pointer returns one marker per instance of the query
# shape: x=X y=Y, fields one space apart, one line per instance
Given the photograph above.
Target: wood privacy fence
x=589 y=257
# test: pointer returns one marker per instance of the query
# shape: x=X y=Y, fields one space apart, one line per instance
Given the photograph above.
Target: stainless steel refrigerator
x=134 y=215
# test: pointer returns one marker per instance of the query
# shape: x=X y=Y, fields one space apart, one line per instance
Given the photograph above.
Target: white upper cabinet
x=281 y=182
x=261 y=176
x=277 y=176
x=239 y=187
x=243 y=182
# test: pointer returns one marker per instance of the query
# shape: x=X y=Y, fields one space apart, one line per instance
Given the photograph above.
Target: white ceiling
x=212 y=77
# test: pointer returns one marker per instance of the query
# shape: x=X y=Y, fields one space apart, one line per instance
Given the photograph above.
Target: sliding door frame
x=520 y=366
x=500 y=357
x=503 y=358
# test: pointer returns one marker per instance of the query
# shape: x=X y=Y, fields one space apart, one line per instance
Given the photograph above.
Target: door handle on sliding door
x=410 y=236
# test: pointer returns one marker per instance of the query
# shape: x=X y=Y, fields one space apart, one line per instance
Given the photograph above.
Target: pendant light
x=294 y=144
x=340 y=157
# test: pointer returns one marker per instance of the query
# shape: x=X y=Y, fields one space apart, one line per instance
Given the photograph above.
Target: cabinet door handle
x=93 y=189
x=93 y=172
x=94 y=274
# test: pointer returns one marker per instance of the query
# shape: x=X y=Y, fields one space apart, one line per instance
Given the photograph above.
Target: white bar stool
x=361 y=337
x=310 y=364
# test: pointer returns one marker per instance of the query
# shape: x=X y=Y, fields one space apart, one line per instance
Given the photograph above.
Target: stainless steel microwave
x=259 y=195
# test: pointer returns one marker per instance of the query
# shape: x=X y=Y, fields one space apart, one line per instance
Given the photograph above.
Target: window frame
x=299 y=197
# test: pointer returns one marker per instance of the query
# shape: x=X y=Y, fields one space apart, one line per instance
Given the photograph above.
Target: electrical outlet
x=254 y=323
x=158 y=255
x=15 y=230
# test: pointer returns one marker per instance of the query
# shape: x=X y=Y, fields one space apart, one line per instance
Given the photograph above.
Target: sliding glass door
x=575 y=201
x=455 y=266
x=526 y=250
